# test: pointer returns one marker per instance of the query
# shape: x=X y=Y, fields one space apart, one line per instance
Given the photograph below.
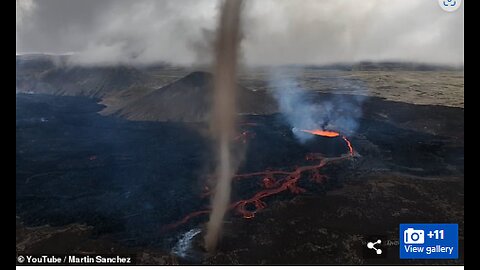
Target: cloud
x=350 y=30
x=24 y=8
x=275 y=31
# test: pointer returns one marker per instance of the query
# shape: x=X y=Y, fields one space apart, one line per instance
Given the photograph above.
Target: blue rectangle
x=429 y=241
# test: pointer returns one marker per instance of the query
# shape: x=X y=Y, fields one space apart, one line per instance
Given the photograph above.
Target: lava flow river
x=276 y=181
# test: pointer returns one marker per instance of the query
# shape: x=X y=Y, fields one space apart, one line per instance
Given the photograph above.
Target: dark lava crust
x=104 y=184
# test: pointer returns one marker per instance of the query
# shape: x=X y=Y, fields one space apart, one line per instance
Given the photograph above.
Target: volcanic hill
x=54 y=76
x=189 y=99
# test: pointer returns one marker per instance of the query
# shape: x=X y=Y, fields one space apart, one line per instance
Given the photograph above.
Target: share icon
x=371 y=245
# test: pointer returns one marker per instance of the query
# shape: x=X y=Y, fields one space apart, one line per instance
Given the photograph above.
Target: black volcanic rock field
x=126 y=180
x=116 y=160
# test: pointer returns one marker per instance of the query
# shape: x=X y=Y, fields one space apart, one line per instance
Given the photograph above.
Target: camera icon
x=412 y=236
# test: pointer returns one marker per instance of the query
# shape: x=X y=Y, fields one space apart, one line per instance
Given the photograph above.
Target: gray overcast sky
x=275 y=31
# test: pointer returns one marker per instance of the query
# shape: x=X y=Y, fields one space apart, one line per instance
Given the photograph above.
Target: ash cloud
x=277 y=32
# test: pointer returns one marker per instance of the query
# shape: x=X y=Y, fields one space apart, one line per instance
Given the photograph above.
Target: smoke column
x=303 y=111
x=223 y=120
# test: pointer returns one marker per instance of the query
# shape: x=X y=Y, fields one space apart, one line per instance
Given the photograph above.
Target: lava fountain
x=330 y=134
x=324 y=133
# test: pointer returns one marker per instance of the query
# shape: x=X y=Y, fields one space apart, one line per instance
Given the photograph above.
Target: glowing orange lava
x=324 y=133
x=349 y=145
x=277 y=181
